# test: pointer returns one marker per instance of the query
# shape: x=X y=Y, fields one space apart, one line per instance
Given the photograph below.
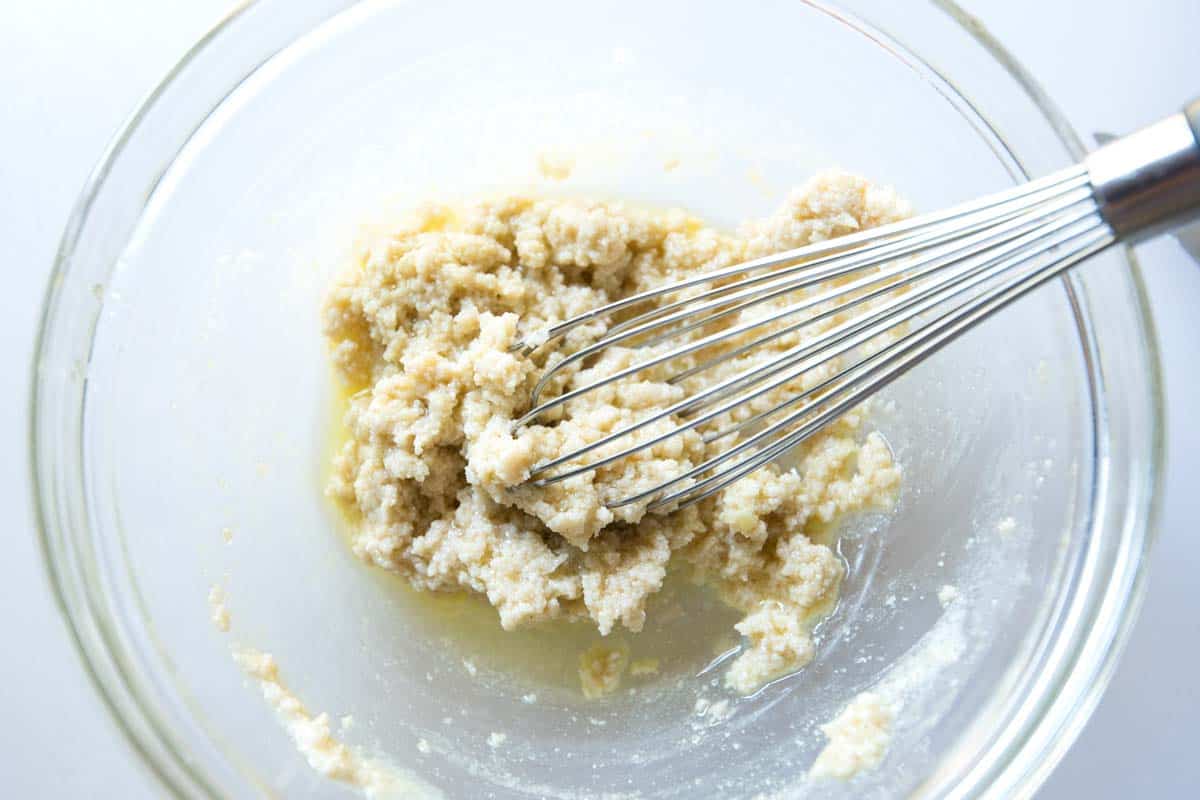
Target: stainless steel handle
x=1149 y=181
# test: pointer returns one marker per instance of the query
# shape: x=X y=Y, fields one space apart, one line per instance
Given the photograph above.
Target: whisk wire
x=1001 y=228
x=891 y=248
x=909 y=352
x=890 y=280
x=861 y=242
x=897 y=294
x=833 y=343
x=842 y=376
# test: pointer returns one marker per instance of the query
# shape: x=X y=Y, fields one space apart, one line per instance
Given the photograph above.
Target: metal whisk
x=959 y=266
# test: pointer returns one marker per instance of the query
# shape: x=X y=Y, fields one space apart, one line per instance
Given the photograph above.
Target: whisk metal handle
x=1150 y=180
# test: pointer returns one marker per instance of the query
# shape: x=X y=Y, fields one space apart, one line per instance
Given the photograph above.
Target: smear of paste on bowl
x=858 y=738
x=311 y=733
x=421 y=326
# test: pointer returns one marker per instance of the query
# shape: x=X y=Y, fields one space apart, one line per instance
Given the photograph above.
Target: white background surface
x=71 y=71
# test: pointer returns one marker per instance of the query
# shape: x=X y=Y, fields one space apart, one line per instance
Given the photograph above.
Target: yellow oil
x=686 y=629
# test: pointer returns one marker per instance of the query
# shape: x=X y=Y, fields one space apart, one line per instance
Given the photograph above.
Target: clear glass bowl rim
x=66 y=551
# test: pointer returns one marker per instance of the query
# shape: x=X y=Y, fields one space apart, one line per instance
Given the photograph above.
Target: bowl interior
x=211 y=403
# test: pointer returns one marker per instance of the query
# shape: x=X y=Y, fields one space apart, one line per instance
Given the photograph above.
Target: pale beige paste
x=858 y=738
x=314 y=738
x=421 y=325
x=601 y=668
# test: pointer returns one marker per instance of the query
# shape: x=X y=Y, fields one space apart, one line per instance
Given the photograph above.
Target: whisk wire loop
x=890 y=296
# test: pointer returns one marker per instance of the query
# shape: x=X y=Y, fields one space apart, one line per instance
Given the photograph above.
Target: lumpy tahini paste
x=422 y=324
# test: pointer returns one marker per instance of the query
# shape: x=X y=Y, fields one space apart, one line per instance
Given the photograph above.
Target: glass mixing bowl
x=183 y=401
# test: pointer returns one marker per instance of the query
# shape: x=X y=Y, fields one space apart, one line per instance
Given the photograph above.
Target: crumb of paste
x=218 y=611
x=555 y=166
x=858 y=738
x=713 y=712
x=422 y=325
x=600 y=669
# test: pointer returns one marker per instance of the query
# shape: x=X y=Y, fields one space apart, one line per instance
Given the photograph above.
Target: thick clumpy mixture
x=422 y=324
